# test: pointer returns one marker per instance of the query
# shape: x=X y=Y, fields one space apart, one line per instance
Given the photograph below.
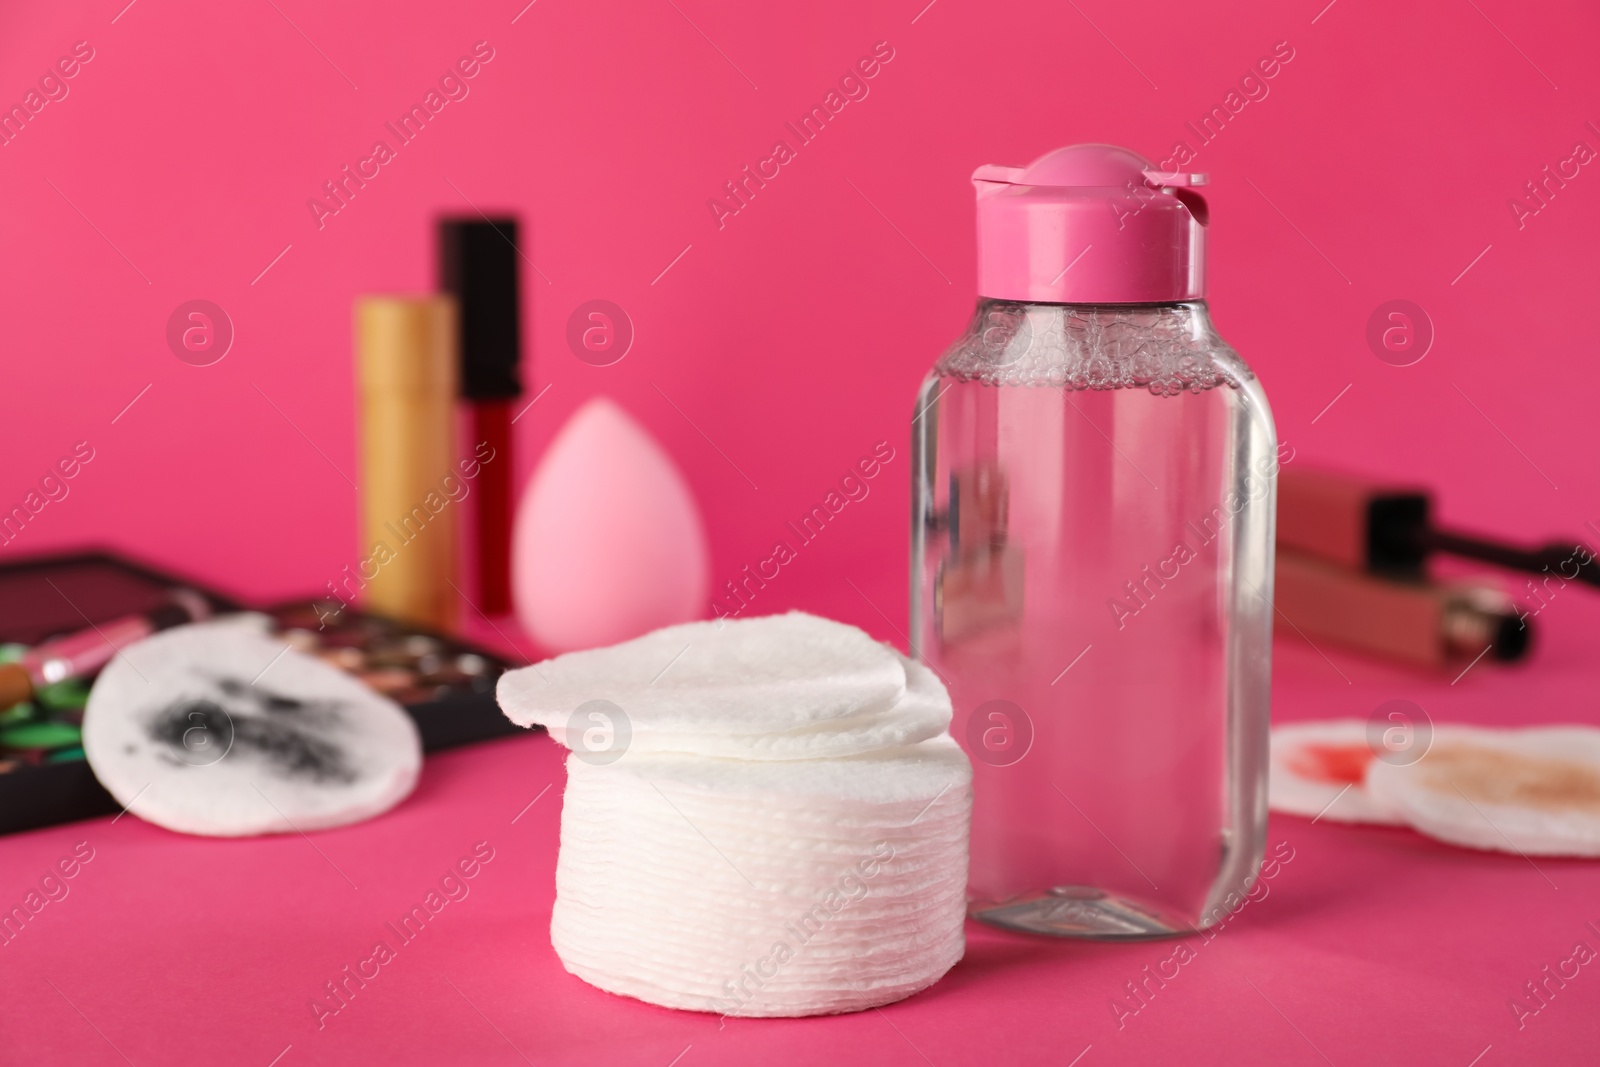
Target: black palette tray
x=446 y=685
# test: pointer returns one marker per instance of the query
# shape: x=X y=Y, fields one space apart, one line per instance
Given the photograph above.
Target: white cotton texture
x=1529 y=792
x=1294 y=791
x=216 y=728
x=798 y=849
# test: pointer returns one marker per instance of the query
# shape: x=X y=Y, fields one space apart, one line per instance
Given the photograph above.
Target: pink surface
x=1370 y=945
x=778 y=338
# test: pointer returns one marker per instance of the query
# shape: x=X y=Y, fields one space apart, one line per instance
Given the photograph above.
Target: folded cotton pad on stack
x=218 y=729
x=763 y=817
x=1532 y=791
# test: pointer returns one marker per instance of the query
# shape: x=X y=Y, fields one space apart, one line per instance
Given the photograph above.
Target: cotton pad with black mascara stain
x=219 y=729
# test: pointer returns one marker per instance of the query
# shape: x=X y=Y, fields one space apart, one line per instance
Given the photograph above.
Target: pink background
x=794 y=338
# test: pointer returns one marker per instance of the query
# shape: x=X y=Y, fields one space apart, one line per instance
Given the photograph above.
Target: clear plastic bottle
x=1092 y=528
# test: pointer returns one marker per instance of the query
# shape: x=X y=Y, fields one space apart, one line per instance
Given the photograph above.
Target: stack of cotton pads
x=1532 y=791
x=763 y=817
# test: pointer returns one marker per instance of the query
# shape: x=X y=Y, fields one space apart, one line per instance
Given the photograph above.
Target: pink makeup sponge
x=608 y=542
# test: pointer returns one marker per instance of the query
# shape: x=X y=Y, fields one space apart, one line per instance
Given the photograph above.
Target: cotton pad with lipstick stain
x=221 y=730
x=1530 y=791
x=1319 y=769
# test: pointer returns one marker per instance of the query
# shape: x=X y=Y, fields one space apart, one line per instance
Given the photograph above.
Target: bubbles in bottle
x=1166 y=349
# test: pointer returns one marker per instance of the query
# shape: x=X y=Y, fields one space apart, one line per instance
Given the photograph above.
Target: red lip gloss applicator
x=478 y=266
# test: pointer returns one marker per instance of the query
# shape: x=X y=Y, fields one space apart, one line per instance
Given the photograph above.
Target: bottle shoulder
x=1166 y=349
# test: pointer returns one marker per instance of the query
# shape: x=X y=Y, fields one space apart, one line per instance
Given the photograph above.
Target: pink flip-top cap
x=1090 y=224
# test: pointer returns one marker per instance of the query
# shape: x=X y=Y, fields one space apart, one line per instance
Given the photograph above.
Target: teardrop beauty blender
x=1531 y=791
x=217 y=729
x=608 y=542
x=1319 y=770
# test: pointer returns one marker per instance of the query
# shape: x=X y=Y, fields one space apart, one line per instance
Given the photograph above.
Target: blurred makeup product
x=478 y=266
x=445 y=685
x=1421 y=622
x=405 y=664
x=980 y=583
x=407 y=369
x=1091 y=556
x=1387 y=527
x=86 y=651
x=609 y=542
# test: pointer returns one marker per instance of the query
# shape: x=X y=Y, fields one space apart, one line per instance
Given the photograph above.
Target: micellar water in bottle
x=1094 y=489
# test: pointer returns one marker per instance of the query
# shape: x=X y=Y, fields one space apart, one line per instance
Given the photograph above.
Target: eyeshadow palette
x=445 y=685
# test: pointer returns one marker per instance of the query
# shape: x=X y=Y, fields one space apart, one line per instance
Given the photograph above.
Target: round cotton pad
x=1319 y=769
x=1533 y=792
x=217 y=729
x=773 y=674
x=923 y=711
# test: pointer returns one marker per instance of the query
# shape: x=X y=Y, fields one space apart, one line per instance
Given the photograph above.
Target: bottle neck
x=1164 y=347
